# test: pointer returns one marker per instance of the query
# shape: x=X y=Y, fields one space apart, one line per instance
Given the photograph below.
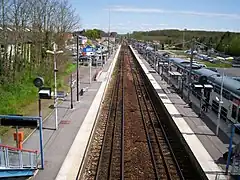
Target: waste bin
x=81 y=92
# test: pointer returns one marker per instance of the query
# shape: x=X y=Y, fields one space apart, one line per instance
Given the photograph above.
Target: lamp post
x=156 y=57
x=201 y=101
x=90 y=70
x=39 y=82
x=55 y=52
x=190 y=73
x=102 y=55
x=220 y=102
x=109 y=22
x=183 y=78
x=71 y=88
x=77 y=68
x=158 y=68
x=220 y=106
x=183 y=43
x=169 y=65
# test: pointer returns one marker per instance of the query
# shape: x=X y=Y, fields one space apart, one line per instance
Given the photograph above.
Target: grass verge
x=21 y=98
x=216 y=65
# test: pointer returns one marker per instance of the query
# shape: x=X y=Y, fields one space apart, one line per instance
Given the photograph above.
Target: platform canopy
x=19 y=120
x=174 y=73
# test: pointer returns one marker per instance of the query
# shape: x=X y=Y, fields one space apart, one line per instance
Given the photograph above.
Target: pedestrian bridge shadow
x=60 y=107
x=221 y=161
x=51 y=106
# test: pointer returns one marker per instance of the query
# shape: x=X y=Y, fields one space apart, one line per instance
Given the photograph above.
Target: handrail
x=221 y=176
x=16 y=158
x=18 y=149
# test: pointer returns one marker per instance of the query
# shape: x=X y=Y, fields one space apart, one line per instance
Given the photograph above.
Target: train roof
x=177 y=60
x=229 y=83
x=184 y=63
x=206 y=72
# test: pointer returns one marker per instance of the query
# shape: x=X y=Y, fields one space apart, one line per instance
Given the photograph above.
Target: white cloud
x=155 y=10
x=95 y=24
x=161 y=24
x=145 y=24
x=120 y=24
x=125 y=29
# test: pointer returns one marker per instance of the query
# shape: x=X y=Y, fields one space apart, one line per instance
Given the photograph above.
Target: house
x=8 y=39
x=111 y=37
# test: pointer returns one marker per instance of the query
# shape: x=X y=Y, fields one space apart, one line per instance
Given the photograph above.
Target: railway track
x=130 y=141
x=163 y=159
x=106 y=151
x=110 y=164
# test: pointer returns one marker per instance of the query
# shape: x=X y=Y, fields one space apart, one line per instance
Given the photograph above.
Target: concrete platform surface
x=75 y=156
x=214 y=146
x=58 y=142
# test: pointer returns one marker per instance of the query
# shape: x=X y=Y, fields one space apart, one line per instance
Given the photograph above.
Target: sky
x=144 y=15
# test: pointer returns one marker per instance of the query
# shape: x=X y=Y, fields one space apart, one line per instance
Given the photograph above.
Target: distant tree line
x=97 y=33
x=226 y=42
x=27 y=29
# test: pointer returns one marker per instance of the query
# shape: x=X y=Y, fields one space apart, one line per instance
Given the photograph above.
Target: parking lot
x=230 y=71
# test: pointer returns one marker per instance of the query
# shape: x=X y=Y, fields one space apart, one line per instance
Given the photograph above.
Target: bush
x=14 y=97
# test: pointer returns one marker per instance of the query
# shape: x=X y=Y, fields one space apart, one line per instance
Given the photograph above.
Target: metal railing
x=222 y=176
x=15 y=158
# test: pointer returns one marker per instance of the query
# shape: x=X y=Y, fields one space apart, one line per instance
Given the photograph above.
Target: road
x=230 y=71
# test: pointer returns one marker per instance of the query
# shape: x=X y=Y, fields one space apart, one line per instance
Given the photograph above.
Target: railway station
x=131 y=124
x=114 y=90
x=144 y=130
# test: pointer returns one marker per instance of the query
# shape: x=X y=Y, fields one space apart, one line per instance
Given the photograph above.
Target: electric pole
x=71 y=87
x=77 y=68
x=190 y=72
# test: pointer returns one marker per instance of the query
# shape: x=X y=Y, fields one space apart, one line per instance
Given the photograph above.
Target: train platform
x=202 y=141
x=74 y=157
x=58 y=142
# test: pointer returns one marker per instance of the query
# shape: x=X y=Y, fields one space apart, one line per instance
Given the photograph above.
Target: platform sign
x=82 y=40
x=88 y=49
x=22 y=121
x=45 y=93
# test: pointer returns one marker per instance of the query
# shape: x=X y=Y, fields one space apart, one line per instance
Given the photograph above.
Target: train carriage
x=230 y=109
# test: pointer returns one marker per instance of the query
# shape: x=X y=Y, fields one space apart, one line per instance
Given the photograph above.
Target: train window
x=217 y=89
x=239 y=115
x=234 y=111
x=226 y=94
x=224 y=112
x=215 y=106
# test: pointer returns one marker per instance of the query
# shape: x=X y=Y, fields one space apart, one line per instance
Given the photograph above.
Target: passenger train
x=212 y=82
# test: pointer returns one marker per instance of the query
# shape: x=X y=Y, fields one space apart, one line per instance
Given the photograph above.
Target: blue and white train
x=231 y=88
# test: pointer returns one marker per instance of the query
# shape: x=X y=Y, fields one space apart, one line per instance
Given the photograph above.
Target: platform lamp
x=220 y=100
x=54 y=53
x=220 y=105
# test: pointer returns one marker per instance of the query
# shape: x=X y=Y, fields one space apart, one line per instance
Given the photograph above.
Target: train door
x=235 y=113
x=196 y=90
x=207 y=91
x=224 y=111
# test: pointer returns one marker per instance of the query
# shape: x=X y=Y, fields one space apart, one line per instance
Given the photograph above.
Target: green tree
x=93 y=34
x=234 y=46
